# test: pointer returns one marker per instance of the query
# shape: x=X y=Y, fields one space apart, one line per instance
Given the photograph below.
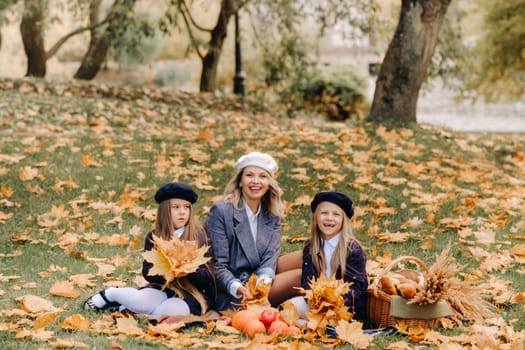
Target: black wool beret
x=334 y=197
x=176 y=190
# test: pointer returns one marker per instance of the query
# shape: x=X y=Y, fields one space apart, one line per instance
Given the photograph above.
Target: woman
x=244 y=228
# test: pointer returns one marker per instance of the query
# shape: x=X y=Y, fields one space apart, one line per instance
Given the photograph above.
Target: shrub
x=336 y=91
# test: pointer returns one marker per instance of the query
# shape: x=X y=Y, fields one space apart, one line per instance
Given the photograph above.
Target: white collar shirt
x=179 y=231
x=252 y=220
x=329 y=249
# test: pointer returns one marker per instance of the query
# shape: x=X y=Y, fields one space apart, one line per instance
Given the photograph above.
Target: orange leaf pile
x=326 y=301
x=258 y=293
x=175 y=258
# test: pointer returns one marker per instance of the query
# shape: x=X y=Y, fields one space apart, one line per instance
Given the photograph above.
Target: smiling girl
x=334 y=251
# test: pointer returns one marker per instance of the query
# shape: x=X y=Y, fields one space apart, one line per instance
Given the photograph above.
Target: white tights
x=302 y=307
x=148 y=301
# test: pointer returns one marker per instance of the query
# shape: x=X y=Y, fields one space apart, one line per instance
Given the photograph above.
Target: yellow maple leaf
x=258 y=293
x=35 y=304
x=88 y=160
x=39 y=334
x=4 y=217
x=76 y=322
x=352 y=332
x=28 y=173
x=69 y=343
x=64 y=289
x=128 y=326
x=175 y=258
x=6 y=192
x=42 y=320
x=326 y=301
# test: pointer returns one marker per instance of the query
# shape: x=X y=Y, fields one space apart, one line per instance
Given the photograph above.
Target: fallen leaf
x=76 y=322
x=36 y=304
x=64 y=289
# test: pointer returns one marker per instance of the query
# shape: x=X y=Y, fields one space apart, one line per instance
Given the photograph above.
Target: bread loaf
x=388 y=284
x=407 y=290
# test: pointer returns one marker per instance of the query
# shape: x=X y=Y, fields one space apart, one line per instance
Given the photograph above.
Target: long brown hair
x=340 y=253
x=271 y=201
x=193 y=231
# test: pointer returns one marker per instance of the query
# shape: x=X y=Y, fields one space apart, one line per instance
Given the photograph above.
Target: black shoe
x=110 y=306
x=330 y=331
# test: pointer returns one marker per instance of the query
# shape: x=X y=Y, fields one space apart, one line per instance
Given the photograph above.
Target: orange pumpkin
x=242 y=317
x=292 y=330
x=253 y=327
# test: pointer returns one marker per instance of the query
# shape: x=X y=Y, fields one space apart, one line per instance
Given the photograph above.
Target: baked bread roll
x=388 y=284
x=407 y=290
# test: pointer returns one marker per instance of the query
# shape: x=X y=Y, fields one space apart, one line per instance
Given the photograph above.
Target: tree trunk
x=101 y=38
x=33 y=39
x=407 y=59
x=210 y=61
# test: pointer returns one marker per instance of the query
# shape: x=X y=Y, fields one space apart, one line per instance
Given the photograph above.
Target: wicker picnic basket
x=378 y=302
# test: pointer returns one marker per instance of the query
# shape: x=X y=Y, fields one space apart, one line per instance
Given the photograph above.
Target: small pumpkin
x=253 y=327
x=242 y=317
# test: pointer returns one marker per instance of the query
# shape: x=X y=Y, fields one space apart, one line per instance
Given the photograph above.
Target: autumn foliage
x=79 y=164
x=175 y=258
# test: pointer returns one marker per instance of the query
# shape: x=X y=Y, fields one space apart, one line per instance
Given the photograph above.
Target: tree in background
x=119 y=21
x=279 y=22
x=407 y=59
x=35 y=15
x=497 y=65
x=31 y=29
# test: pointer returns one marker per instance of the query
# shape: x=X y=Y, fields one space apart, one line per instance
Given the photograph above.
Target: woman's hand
x=243 y=291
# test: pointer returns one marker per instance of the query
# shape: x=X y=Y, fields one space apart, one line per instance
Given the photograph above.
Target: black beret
x=176 y=190
x=334 y=197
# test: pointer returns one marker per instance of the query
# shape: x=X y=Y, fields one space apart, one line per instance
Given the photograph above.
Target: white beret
x=261 y=160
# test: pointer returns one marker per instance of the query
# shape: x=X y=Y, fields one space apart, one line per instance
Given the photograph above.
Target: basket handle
x=392 y=264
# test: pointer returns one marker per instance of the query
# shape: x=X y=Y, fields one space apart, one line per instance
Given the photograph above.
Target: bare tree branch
x=187 y=11
x=190 y=32
x=51 y=52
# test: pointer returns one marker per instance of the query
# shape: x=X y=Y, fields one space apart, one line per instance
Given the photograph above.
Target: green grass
x=139 y=141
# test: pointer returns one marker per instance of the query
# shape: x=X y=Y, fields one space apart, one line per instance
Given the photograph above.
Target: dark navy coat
x=202 y=279
x=355 y=299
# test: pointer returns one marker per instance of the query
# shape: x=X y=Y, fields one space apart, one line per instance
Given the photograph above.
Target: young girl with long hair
x=333 y=251
x=190 y=294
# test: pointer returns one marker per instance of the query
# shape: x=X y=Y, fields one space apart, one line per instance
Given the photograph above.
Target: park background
x=168 y=62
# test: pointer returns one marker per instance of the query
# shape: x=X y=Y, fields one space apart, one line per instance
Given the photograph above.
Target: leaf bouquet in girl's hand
x=326 y=301
x=175 y=258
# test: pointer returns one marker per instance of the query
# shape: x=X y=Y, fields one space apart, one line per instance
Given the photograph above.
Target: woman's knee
x=290 y=261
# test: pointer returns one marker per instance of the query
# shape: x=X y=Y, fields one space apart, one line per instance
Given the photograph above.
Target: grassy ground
x=79 y=165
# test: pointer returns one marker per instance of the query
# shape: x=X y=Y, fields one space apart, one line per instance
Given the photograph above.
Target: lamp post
x=240 y=76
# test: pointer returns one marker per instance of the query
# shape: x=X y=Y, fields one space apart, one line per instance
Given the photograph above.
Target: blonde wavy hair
x=192 y=232
x=271 y=201
x=340 y=253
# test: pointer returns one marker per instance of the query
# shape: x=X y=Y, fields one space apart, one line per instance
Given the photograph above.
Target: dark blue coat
x=355 y=299
x=202 y=279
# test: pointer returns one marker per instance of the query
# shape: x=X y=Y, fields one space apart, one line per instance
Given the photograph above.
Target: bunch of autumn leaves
x=175 y=258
